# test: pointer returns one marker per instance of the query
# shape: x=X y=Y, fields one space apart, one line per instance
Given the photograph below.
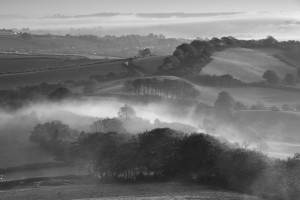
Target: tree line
x=165 y=154
x=174 y=89
x=18 y=97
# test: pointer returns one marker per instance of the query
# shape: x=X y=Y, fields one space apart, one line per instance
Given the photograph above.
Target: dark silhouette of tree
x=126 y=112
x=60 y=93
x=271 y=77
x=269 y=41
x=54 y=137
x=225 y=103
x=108 y=125
x=174 y=89
x=145 y=52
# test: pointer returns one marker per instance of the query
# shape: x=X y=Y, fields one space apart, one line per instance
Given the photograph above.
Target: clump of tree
x=226 y=80
x=259 y=106
x=107 y=125
x=126 y=112
x=271 y=77
x=226 y=106
x=16 y=98
x=54 y=137
x=188 y=58
x=144 y=52
x=59 y=94
x=175 y=89
x=164 y=154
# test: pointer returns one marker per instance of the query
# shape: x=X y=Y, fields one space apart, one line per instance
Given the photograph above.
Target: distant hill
x=123 y=46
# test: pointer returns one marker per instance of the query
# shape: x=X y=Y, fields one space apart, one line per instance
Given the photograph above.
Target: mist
x=248 y=25
x=258 y=132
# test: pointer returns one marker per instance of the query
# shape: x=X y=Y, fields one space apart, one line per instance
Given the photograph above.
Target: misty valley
x=140 y=108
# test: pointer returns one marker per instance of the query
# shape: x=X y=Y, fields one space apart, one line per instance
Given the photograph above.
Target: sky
x=40 y=8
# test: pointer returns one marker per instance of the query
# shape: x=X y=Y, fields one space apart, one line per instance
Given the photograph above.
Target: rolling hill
x=247 y=64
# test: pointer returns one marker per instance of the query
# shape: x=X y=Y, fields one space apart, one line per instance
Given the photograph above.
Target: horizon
x=40 y=8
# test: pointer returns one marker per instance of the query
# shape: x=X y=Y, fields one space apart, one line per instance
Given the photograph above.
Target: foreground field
x=123 y=191
x=247 y=64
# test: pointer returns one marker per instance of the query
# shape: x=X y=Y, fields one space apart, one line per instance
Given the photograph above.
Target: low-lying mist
x=249 y=129
x=282 y=25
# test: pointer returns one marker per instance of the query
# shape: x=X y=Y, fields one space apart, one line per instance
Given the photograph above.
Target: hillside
x=247 y=64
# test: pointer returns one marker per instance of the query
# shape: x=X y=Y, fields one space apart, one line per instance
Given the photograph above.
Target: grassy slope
x=247 y=64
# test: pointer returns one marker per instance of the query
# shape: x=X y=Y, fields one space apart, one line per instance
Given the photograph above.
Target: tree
x=269 y=41
x=271 y=77
x=25 y=36
x=54 y=137
x=60 y=93
x=126 y=112
x=258 y=106
x=289 y=79
x=187 y=49
x=107 y=125
x=225 y=104
x=145 y=52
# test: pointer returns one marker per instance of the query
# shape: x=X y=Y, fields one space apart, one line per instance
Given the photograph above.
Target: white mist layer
x=281 y=25
x=261 y=133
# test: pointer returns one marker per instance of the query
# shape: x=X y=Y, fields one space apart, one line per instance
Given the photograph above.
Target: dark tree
x=126 y=112
x=271 y=77
x=108 y=125
x=225 y=103
x=60 y=93
x=54 y=137
x=145 y=52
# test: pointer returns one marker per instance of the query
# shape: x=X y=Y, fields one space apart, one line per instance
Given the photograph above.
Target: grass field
x=247 y=64
x=162 y=191
x=26 y=63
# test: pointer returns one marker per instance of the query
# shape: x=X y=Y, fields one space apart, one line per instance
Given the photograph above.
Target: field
x=60 y=74
x=162 y=191
x=150 y=63
x=247 y=64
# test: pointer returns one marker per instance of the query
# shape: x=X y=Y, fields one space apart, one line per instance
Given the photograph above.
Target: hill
x=248 y=64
